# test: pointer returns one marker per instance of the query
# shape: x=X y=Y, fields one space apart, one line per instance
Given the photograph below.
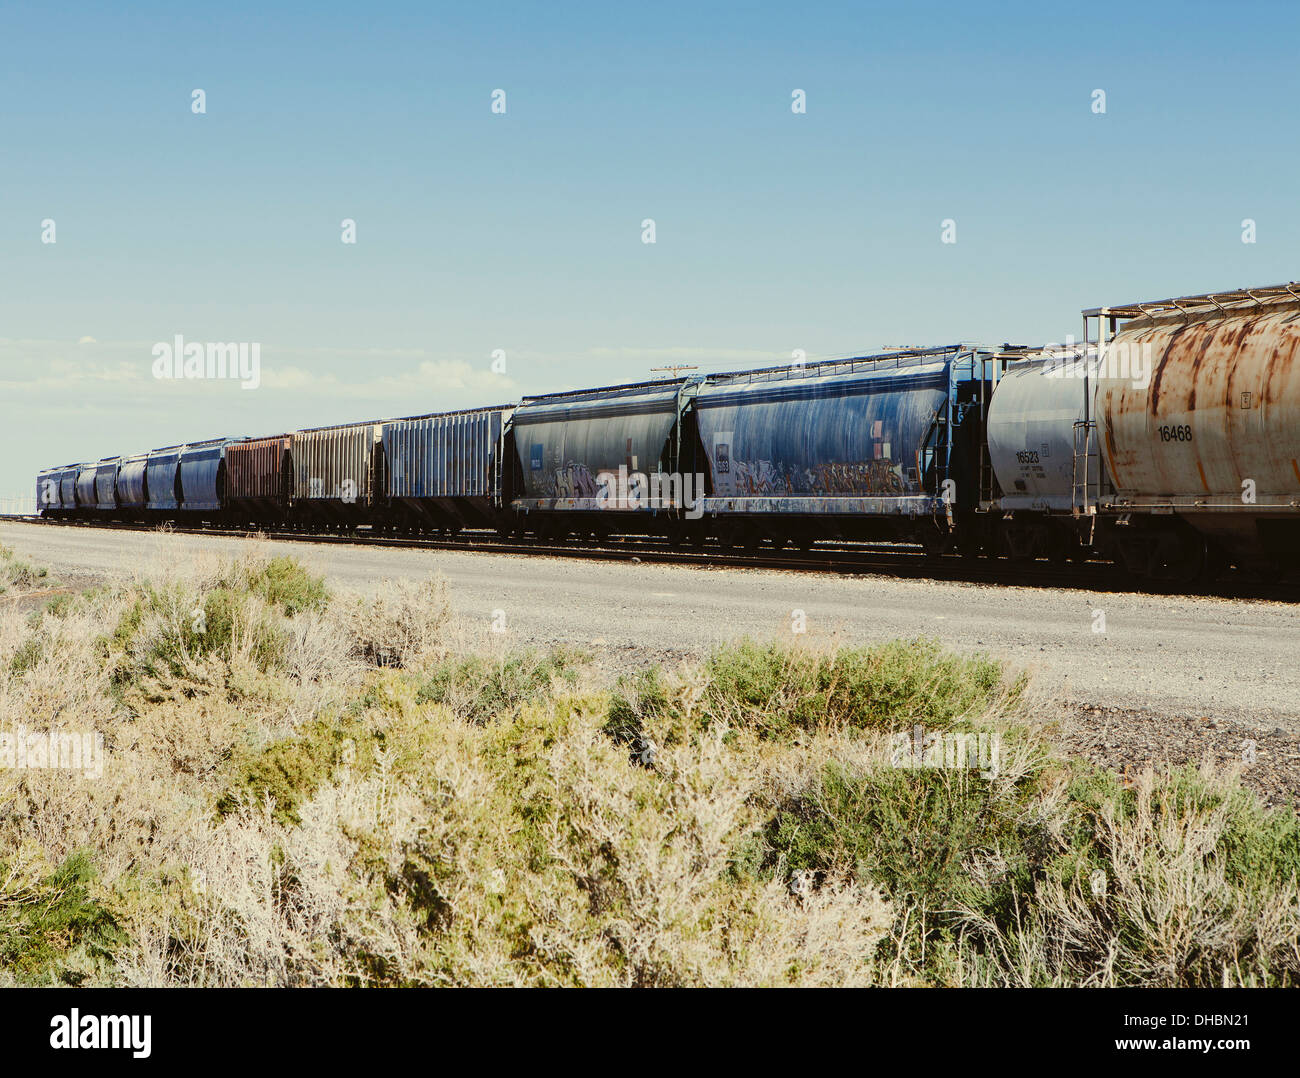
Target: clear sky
x=522 y=231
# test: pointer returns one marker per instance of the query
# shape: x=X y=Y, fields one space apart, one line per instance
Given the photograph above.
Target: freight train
x=1166 y=441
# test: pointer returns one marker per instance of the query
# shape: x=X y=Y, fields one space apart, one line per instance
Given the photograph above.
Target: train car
x=579 y=454
x=132 y=486
x=202 y=478
x=446 y=472
x=259 y=479
x=106 y=486
x=85 y=500
x=1198 y=419
x=1041 y=455
x=162 y=483
x=337 y=473
x=68 y=490
x=869 y=447
x=56 y=492
x=48 y=492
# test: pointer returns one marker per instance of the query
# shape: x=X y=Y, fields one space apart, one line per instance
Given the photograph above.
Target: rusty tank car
x=1197 y=416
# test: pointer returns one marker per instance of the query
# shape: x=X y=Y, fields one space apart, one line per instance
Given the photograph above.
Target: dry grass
x=304 y=789
x=17 y=575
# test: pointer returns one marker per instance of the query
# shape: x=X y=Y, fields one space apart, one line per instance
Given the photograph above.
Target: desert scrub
x=403 y=625
x=284 y=772
x=479 y=687
x=245 y=617
x=17 y=574
x=425 y=849
x=282 y=582
x=54 y=927
x=780 y=691
x=52 y=668
x=167 y=632
x=1054 y=875
x=364 y=804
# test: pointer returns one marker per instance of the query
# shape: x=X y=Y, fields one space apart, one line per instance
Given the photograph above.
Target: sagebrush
x=306 y=788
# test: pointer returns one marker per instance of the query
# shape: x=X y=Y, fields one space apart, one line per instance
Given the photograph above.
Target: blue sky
x=478 y=231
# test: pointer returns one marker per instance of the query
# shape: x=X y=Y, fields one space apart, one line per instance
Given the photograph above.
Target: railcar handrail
x=1206 y=302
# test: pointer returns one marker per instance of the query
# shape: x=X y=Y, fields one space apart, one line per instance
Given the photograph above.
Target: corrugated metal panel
x=565 y=441
x=1030 y=431
x=453 y=455
x=162 y=473
x=106 y=483
x=336 y=464
x=1213 y=401
x=255 y=469
x=131 y=483
x=201 y=477
x=86 y=496
x=833 y=436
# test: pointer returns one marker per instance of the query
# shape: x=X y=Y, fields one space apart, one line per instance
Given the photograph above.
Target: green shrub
x=777 y=690
x=282 y=582
x=289 y=770
x=479 y=688
x=911 y=831
x=55 y=930
x=163 y=632
x=1164 y=883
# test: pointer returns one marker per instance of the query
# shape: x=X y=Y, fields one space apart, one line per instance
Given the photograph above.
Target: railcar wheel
x=1180 y=558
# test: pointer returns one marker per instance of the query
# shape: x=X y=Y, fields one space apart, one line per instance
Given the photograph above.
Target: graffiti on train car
x=773 y=478
x=573 y=480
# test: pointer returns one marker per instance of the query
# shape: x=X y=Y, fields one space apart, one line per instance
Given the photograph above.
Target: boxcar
x=1041 y=455
x=446 y=471
x=86 y=499
x=68 y=489
x=1036 y=409
x=336 y=472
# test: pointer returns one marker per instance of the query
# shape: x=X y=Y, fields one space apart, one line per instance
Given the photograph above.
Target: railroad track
x=845 y=558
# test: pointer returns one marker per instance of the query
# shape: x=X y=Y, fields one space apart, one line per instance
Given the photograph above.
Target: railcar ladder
x=1086 y=490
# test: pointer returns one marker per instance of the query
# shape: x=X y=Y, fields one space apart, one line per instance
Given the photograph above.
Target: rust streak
x=1110 y=446
x=1201 y=468
x=1196 y=369
x=1277 y=368
x=1170 y=345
